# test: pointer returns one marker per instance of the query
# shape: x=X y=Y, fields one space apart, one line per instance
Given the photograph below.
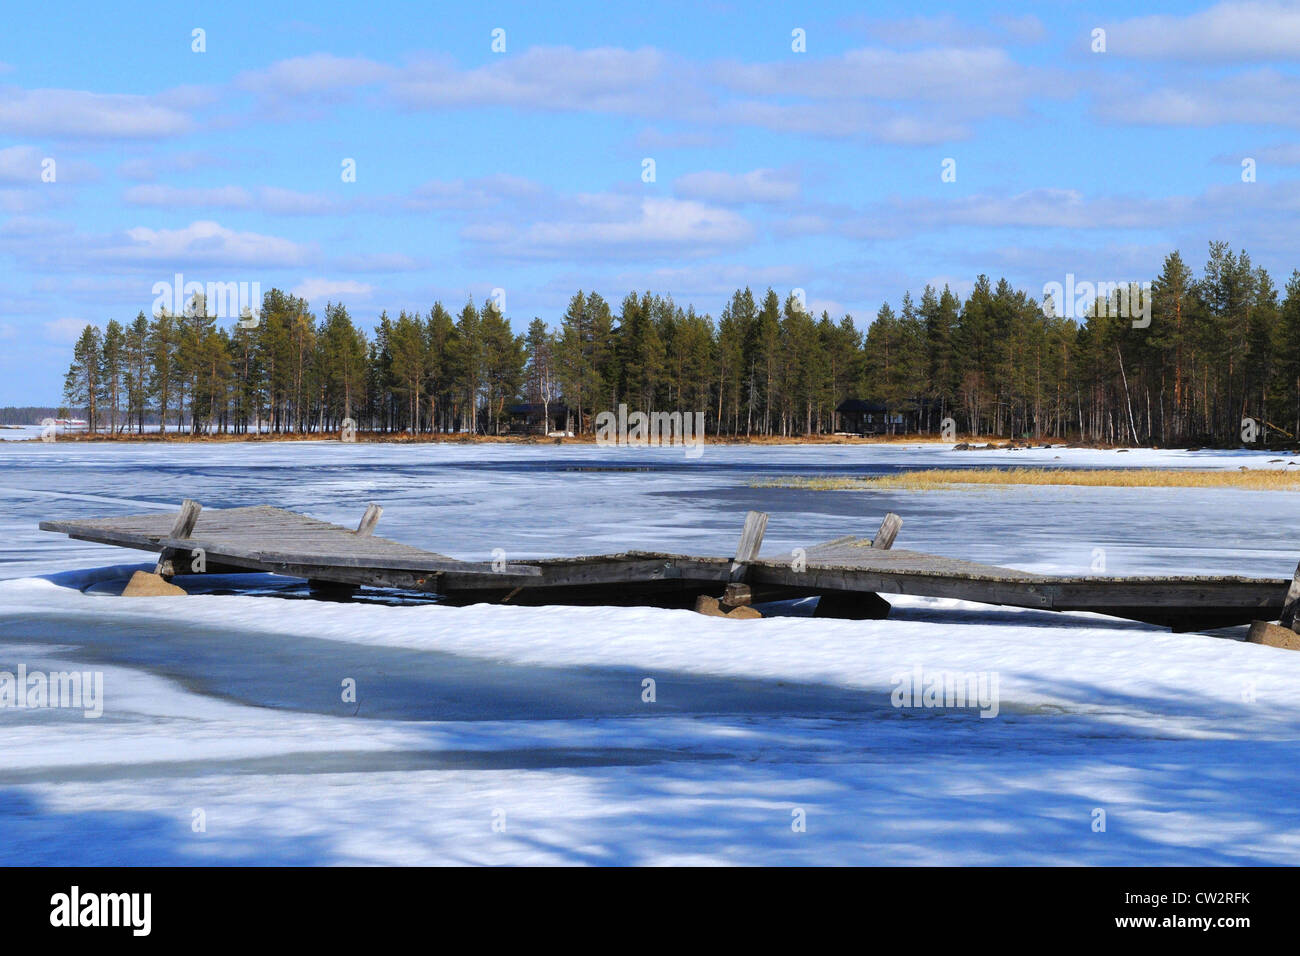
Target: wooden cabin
x=535 y=418
x=857 y=416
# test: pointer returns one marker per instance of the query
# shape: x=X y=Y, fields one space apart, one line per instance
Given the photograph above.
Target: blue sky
x=523 y=170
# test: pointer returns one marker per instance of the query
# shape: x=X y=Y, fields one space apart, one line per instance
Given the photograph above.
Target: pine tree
x=469 y=363
x=440 y=347
x=542 y=383
x=343 y=359
x=503 y=363
x=81 y=386
x=162 y=345
x=112 y=372
x=137 y=374
x=407 y=345
x=1287 y=349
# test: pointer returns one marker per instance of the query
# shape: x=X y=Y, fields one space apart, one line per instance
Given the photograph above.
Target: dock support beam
x=331 y=590
x=862 y=605
x=183 y=528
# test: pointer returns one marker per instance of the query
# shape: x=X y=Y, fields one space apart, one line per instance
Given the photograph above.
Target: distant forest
x=1219 y=347
x=29 y=414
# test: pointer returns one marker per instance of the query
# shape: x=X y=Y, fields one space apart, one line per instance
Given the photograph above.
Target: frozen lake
x=502 y=734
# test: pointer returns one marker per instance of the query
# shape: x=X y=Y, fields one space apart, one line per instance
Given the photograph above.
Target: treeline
x=29 y=414
x=1218 y=348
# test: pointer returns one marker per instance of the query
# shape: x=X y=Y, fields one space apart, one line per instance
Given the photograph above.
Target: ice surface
x=533 y=718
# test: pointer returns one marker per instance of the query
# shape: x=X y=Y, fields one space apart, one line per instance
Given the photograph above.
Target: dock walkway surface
x=848 y=574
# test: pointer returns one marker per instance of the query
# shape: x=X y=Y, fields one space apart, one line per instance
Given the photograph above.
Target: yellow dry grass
x=1253 y=479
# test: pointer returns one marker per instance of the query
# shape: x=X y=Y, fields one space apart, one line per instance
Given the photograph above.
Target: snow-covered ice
x=497 y=734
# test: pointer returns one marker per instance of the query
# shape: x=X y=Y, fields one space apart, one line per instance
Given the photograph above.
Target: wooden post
x=189 y=514
x=735 y=602
x=884 y=539
x=751 y=539
x=183 y=528
x=369 y=519
x=1292 y=603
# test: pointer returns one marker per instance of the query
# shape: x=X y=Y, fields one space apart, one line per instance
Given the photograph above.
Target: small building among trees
x=857 y=416
x=536 y=418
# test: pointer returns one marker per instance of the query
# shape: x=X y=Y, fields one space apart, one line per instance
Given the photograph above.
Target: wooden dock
x=848 y=574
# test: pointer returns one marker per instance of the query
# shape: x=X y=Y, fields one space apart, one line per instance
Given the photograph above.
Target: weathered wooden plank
x=231 y=555
x=1189 y=593
x=189 y=514
x=564 y=573
x=369 y=519
x=815 y=578
x=751 y=539
x=253 y=527
x=884 y=539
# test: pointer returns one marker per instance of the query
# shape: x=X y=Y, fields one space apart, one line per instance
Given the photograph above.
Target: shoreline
x=980 y=443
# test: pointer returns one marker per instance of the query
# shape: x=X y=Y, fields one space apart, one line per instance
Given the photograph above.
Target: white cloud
x=602 y=225
x=333 y=290
x=171 y=197
x=1265 y=207
x=477 y=193
x=81 y=114
x=908 y=97
x=20 y=164
x=201 y=243
x=653 y=138
x=699 y=280
x=268 y=199
x=847 y=120
x=1023 y=29
x=147 y=169
x=377 y=262
x=1233 y=31
x=314 y=75
x=862 y=94
x=947 y=30
x=290 y=202
x=65 y=331
x=26 y=165
x=31 y=227
x=985 y=76
x=1265 y=97
x=1283 y=154
x=606 y=79
x=755 y=186
x=19 y=201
